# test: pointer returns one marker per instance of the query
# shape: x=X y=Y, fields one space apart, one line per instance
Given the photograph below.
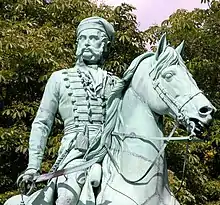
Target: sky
x=150 y=12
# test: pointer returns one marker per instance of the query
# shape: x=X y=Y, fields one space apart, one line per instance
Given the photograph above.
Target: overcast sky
x=151 y=12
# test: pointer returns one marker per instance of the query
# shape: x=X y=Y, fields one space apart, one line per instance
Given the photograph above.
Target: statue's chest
x=88 y=103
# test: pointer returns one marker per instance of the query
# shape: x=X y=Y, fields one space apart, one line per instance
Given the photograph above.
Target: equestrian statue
x=112 y=151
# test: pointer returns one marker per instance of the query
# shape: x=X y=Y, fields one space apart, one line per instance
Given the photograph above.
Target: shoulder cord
x=63 y=155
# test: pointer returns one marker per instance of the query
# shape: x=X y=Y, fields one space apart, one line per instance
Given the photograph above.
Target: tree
x=37 y=38
x=201 y=31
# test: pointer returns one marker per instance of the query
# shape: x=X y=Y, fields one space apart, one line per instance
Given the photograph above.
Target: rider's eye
x=93 y=37
x=82 y=37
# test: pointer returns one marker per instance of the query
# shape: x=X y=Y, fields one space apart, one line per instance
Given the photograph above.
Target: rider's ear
x=180 y=48
x=161 y=47
x=108 y=45
x=106 y=49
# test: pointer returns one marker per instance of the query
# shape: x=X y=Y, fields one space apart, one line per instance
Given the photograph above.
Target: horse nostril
x=205 y=110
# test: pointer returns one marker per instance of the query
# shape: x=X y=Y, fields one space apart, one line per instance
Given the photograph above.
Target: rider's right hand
x=25 y=181
x=29 y=175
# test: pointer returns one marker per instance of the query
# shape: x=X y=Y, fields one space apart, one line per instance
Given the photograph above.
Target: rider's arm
x=43 y=122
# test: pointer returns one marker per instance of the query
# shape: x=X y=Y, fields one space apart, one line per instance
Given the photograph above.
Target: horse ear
x=180 y=48
x=162 y=45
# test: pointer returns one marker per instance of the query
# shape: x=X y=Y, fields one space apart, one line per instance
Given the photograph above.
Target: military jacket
x=78 y=98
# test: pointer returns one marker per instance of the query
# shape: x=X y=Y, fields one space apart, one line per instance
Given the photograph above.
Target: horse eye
x=168 y=76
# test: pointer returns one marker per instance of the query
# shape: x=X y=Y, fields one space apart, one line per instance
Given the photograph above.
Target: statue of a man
x=79 y=95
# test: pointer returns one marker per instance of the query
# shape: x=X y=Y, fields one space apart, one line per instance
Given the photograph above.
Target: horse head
x=168 y=88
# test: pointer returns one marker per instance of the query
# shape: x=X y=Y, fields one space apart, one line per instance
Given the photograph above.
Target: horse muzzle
x=201 y=122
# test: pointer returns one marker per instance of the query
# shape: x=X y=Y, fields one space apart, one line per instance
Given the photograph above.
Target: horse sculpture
x=134 y=169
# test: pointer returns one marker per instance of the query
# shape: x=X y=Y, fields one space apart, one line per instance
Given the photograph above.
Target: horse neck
x=140 y=79
x=136 y=116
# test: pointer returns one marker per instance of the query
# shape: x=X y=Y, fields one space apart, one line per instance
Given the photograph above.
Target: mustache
x=93 y=50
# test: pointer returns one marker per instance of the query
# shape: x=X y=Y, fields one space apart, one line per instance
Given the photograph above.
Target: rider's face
x=90 y=45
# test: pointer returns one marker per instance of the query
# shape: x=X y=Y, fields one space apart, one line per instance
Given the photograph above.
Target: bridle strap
x=190 y=99
x=165 y=97
x=171 y=102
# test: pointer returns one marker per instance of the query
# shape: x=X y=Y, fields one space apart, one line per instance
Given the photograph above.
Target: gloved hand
x=25 y=180
x=29 y=175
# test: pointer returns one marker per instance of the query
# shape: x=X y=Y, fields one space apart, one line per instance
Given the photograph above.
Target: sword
x=51 y=175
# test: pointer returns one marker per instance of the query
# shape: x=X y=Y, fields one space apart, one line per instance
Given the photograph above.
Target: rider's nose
x=87 y=43
x=206 y=110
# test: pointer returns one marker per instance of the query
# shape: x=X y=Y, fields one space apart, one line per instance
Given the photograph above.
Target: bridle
x=173 y=104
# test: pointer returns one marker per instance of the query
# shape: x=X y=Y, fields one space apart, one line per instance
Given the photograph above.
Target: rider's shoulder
x=62 y=72
x=56 y=76
x=57 y=73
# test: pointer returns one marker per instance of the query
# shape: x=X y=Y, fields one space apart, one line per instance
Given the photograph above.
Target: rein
x=190 y=137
